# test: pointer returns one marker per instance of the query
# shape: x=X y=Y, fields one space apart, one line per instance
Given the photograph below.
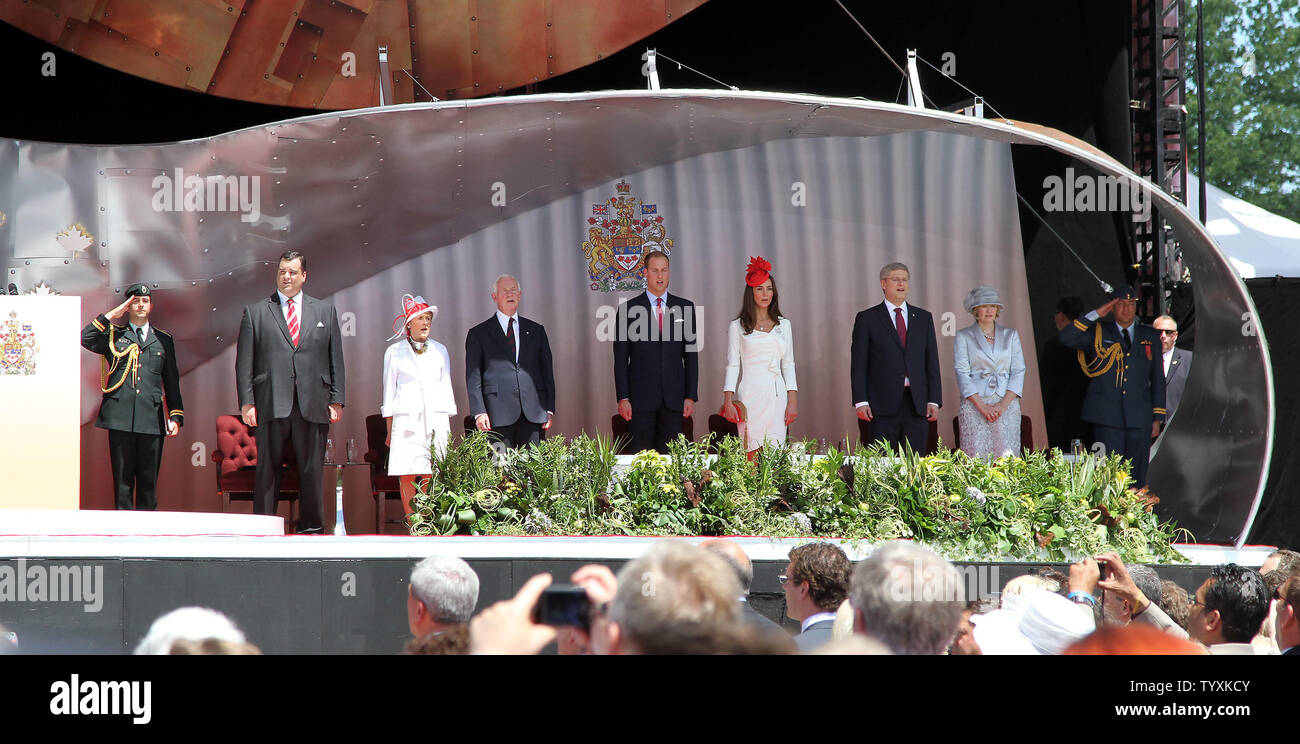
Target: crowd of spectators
x=680 y=598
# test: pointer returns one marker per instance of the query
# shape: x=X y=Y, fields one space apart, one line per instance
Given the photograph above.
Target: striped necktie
x=293 y=323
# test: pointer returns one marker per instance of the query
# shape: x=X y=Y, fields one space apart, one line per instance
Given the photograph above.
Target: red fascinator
x=758 y=271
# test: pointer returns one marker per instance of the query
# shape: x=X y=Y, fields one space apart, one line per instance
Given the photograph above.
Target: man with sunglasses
x=1176 y=362
x=1126 y=394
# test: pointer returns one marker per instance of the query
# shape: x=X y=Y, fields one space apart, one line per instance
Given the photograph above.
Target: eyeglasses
x=1192 y=601
x=1164 y=332
x=783 y=578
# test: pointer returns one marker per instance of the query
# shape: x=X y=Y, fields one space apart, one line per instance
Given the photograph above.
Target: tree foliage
x=1252 y=100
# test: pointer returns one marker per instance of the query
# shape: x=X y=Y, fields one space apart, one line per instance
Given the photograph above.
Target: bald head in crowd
x=735 y=557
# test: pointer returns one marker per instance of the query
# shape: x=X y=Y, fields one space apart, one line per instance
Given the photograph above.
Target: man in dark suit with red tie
x=289 y=372
x=895 y=365
x=508 y=374
x=656 y=363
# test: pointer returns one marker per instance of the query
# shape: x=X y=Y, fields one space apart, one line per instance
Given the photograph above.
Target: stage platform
x=84 y=591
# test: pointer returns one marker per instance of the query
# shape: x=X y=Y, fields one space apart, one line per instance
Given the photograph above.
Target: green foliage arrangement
x=1039 y=507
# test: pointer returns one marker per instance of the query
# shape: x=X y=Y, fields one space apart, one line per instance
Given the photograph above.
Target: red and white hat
x=413 y=306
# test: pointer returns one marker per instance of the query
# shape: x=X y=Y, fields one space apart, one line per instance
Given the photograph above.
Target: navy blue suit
x=1126 y=393
x=879 y=366
x=656 y=371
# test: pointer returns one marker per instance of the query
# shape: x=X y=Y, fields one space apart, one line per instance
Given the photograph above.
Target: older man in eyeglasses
x=1176 y=362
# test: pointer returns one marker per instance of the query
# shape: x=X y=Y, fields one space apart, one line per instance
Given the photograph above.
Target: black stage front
x=344 y=595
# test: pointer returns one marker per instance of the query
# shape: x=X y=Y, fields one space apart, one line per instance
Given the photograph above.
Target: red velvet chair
x=1026 y=433
x=383 y=487
x=619 y=427
x=236 y=459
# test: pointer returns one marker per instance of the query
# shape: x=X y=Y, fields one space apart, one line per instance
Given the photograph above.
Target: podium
x=40 y=401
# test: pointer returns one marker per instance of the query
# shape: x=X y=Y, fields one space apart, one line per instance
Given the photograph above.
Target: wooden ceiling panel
x=509 y=45
x=387 y=24
x=96 y=41
x=255 y=50
x=194 y=32
x=440 y=52
x=252 y=51
x=45 y=19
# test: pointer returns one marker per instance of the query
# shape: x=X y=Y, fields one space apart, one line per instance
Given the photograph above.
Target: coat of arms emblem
x=621 y=231
x=19 y=346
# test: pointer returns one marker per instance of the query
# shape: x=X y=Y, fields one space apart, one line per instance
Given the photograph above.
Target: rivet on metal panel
x=214 y=309
x=187 y=68
x=194 y=284
x=205 y=250
x=277 y=183
x=218 y=339
x=266 y=76
x=473 y=18
x=65 y=262
x=200 y=219
x=101 y=209
x=282 y=205
x=155 y=53
x=101 y=173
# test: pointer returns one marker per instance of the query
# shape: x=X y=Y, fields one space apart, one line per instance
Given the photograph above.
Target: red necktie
x=901 y=326
x=659 y=310
x=293 y=323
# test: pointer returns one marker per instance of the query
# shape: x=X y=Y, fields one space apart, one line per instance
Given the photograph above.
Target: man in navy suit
x=656 y=365
x=1126 y=396
x=895 y=365
x=508 y=372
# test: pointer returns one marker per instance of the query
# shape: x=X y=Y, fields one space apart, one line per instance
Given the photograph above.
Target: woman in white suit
x=990 y=368
x=760 y=364
x=418 y=399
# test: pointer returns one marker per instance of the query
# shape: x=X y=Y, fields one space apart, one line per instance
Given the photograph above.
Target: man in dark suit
x=1064 y=384
x=508 y=371
x=736 y=557
x=142 y=395
x=895 y=365
x=289 y=370
x=656 y=365
x=1126 y=396
x=1176 y=362
x=816 y=582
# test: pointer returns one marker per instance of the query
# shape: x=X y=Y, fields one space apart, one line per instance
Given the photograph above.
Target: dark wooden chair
x=383 y=487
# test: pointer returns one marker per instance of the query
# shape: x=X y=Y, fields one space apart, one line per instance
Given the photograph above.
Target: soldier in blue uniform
x=1125 y=402
x=142 y=395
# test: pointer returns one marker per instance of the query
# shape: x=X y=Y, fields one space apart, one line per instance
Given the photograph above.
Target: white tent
x=1256 y=241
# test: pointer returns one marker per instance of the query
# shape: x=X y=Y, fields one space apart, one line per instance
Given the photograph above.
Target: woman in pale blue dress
x=760 y=364
x=990 y=366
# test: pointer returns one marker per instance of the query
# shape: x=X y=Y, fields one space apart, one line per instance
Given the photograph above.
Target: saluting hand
x=118 y=311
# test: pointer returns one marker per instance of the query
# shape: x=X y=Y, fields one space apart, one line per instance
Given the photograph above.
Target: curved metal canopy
x=410 y=178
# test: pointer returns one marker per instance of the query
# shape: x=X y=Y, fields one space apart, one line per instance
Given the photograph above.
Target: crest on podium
x=18 y=343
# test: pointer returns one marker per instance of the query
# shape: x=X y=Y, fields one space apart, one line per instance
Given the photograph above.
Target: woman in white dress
x=760 y=357
x=418 y=400
x=990 y=367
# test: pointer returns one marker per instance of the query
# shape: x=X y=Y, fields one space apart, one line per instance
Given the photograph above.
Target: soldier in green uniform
x=142 y=395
